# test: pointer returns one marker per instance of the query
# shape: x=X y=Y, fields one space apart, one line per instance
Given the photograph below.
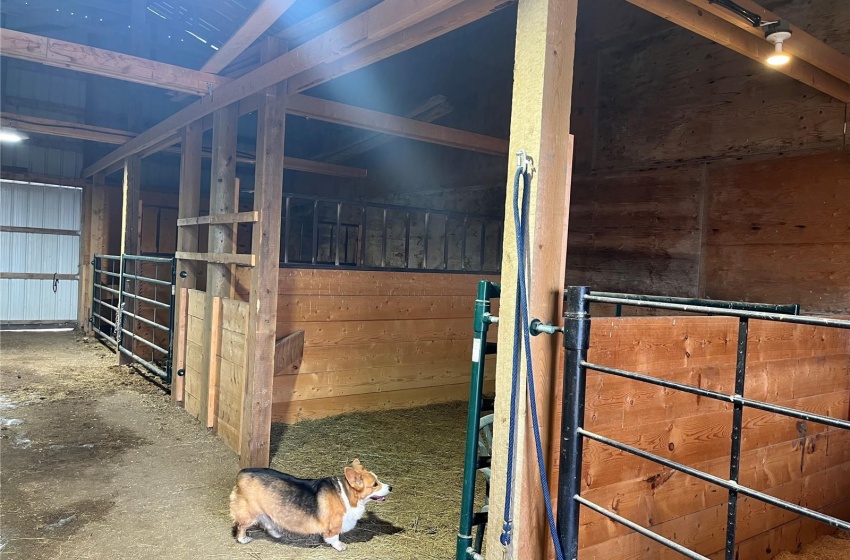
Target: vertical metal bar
x=286 y=229
x=463 y=243
x=384 y=241
x=737 y=425
x=473 y=419
x=170 y=361
x=446 y=245
x=315 y=231
x=425 y=241
x=483 y=241
x=407 y=240
x=135 y=306
x=94 y=292
x=338 y=233
x=119 y=319
x=362 y=258
x=576 y=343
x=618 y=310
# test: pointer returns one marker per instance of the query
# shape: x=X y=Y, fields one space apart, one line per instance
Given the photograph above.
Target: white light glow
x=778 y=58
x=11 y=136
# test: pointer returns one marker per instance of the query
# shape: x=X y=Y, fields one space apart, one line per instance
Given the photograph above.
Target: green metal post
x=481 y=325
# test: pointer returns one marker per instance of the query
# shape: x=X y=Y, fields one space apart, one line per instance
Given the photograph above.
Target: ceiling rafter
x=266 y=14
x=694 y=18
x=384 y=20
x=78 y=131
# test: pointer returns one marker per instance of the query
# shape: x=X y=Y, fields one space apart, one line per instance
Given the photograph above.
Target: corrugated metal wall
x=28 y=205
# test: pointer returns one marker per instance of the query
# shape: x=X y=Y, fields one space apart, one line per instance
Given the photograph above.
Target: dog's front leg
x=336 y=543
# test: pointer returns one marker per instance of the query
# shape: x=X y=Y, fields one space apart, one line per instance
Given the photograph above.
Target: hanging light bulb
x=777 y=33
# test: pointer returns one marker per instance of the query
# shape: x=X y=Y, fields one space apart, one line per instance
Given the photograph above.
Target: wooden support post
x=93 y=242
x=214 y=363
x=221 y=240
x=265 y=243
x=543 y=74
x=189 y=206
x=130 y=225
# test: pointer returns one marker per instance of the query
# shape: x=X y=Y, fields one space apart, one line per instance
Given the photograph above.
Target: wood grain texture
x=401 y=344
x=800 y=367
x=778 y=231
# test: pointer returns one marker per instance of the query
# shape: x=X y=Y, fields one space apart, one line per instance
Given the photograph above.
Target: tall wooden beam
x=64 y=129
x=257 y=23
x=384 y=20
x=543 y=73
x=130 y=215
x=221 y=239
x=188 y=206
x=349 y=115
x=95 y=226
x=801 y=44
x=74 y=56
x=265 y=243
x=710 y=26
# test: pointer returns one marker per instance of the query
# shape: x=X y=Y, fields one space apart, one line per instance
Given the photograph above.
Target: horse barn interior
x=283 y=223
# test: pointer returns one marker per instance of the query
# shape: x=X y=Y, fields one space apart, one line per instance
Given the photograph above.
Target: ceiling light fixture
x=777 y=33
x=11 y=135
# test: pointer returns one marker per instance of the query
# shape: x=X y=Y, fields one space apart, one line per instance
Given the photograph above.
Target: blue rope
x=520 y=322
x=505 y=538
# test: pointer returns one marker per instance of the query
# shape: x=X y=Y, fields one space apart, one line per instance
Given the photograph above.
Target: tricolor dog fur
x=280 y=502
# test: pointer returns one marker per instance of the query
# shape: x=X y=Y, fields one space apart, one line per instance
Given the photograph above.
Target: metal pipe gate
x=576 y=343
x=133 y=308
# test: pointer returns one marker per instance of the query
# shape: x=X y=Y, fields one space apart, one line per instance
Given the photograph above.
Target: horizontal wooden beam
x=348 y=115
x=77 y=131
x=237 y=218
x=415 y=35
x=384 y=20
x=801 y=44
x=710 y=26
x=36 y=276
x=74 y=56
x=257 y=23
x=218 y=258
x=43 y=231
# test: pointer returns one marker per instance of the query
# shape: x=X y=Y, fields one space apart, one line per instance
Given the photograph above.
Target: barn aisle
x=97 y=463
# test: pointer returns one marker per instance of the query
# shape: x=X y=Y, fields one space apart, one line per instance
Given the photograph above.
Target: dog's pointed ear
x=354 y=478
x=355 y=463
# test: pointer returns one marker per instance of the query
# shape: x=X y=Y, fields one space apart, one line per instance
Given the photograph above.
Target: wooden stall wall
x=374 y=340
x=795 y=366
x=779 y=231
x=226 y=367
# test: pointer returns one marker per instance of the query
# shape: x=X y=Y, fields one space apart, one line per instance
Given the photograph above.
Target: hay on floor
x=418 y=451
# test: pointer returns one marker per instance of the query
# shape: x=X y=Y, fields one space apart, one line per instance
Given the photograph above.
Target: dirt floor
x=96 y=463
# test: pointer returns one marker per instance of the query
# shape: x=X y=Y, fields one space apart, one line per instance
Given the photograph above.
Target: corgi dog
x=280 y=502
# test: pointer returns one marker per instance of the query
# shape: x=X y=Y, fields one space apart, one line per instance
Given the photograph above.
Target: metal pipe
x=104 y=320
x=425 y=241
x=146 y=342
x=146 y=300
x=778 y=317
x=384 y=240
x=766 y=498
x=473 y=418
x=142 y=258
x=170 y=361
x=287 y=225
x=104 y=304
x=737 y=427
x=146 y=321
x=482 y=253
x=363 y=225
x=153 y=368
x=722 y=304
x=108 y=289
x=338 y=233
x=463 y=243
x=407 y=241
x=148 y=280
x=390 y=206
x=576 y=344
x=643 y=531
x=315 y=231
x=446 y=245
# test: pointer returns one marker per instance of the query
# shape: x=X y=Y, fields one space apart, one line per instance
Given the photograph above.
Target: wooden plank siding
x=374 y=340
x=796 y=366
